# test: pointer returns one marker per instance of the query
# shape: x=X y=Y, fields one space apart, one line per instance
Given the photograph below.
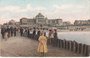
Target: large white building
x=40 y=21
x=82 y=22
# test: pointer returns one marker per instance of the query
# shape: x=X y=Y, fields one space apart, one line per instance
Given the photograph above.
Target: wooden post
x=64 y=43
x=83 y=50
x=48 y=41
x=61 y=43
x=56 y=42
x=70 y=45
x=74 y=46
x=86 y=50
x=52 y=41
x=77 y=48
x=80 y=48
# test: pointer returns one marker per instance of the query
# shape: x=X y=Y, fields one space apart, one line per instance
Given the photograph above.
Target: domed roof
x=12 y=21
x=39 y=15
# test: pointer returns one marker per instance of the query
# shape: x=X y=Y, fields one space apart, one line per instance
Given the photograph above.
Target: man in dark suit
x=28 y=33
x=34 y=32
x=11 y=31
x=21 y=31
x=3 y=32
x=15 y=31
x=38 y=34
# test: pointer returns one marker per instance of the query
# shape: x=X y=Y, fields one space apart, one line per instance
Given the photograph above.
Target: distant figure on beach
x=38 y=33
x=26 y=32
x=55 y=34
x=30 y=33
x=8 y=30
x=34 y=33
x=2 y=32
x=42 y=47
x=12 y=31
x=21 y=31
x=6 y=34
x=44 y=30
x=50 y=36
x=15 y=30
x=55 y=37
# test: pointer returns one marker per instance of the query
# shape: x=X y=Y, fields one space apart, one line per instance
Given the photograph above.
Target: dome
x=39 y=16
x=11 y=22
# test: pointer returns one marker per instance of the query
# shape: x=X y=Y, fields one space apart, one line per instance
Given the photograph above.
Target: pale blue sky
x=68 y=10
x=45 y=3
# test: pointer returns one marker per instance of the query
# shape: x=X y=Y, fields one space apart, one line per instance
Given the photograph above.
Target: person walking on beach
x=6 y=34
x=8 y=30
x=51 y=36
x=55 y=38
x=11 y=29
x=15 y=30
x=21 y=31
x=34 y=32
x=42 y=47
x=28 y=32
x=38 y=33
x=3 y=32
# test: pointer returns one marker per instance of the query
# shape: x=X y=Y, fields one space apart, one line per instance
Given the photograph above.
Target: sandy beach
x=22 y=46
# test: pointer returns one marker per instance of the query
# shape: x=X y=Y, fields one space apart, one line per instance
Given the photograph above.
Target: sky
x=68 y=10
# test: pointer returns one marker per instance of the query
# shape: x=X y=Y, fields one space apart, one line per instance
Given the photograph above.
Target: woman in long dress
x=42 y=47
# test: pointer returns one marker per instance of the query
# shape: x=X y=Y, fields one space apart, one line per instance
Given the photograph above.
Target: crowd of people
x=7 y=32
x=32 y=33
x=42 y=35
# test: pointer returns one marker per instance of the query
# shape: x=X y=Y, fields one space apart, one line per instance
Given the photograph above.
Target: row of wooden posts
x=73 y=46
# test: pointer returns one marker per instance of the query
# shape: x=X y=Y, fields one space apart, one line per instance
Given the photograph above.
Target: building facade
x=40 y=21
x=82 y=22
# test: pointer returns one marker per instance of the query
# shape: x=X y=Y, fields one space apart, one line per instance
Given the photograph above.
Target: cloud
x=69 y=8
x=15 y=9
x=10 y=9
x=68 y=12
x=18 y=9
x=71 y=12
x=16 y=12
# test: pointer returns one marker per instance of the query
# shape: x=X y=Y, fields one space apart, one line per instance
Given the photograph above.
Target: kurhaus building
x=40 y=21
